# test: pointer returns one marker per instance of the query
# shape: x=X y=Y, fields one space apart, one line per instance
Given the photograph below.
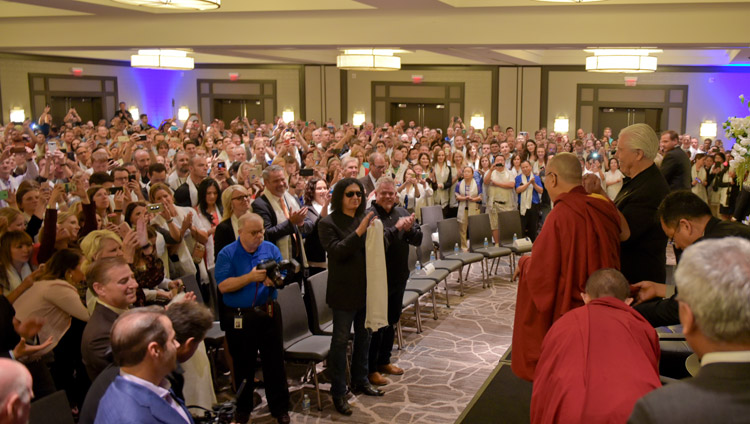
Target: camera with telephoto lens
x=274 y=270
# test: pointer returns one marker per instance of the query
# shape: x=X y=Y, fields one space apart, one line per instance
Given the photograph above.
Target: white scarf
x=526 y=196
x=193 y=192
x=473 y=192
x=377 y=279
x=15 y=280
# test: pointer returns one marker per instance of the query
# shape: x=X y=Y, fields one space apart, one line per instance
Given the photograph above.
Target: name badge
x=238 y=323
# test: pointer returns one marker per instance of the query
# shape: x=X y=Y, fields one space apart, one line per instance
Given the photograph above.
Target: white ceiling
x=471 y=32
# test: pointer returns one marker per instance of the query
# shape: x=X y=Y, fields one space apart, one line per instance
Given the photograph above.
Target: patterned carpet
x=445 y=365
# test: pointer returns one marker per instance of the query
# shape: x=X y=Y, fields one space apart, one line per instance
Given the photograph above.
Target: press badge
x=238 y=322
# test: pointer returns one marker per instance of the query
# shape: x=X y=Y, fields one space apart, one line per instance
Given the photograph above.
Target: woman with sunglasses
x=342 y=235
x=236 y=201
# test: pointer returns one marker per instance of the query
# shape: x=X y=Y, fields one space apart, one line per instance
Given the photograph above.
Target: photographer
x=251 y=318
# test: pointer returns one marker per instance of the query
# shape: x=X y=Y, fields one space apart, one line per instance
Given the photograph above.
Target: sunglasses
x=245 y=197
x=353 y=193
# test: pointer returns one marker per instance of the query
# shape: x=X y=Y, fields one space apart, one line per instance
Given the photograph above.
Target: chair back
x=426 y=247
x=315 y=288
x=431 y=215
x=479 y=229
x=448 y=235
x=293 y=315
x=412 y=257
x=509 y=223
x=51 y=409
x=191 y=285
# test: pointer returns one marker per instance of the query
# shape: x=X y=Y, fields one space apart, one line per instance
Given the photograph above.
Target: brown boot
x=390 y=369
x=376 y=379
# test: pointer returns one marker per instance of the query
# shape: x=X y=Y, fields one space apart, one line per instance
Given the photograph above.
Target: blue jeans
x=342 y=324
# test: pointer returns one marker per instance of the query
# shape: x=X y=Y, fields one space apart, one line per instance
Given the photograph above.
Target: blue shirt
x=535 y=197
x=235 y=261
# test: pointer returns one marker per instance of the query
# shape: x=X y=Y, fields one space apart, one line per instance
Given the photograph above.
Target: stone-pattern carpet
x=445 y=365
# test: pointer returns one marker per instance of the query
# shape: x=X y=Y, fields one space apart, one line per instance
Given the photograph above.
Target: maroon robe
x=596 y=362
x=581 y=235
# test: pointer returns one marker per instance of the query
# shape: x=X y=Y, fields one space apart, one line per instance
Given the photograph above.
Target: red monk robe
x=596 y=362
x=581 y=235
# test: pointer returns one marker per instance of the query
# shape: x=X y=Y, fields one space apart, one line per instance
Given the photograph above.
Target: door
x=229 y=109
x=432 y=115
x=88 y=108
x=618 y=118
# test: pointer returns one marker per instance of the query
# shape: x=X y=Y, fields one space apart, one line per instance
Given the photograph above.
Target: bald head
x=249 y=217
x=566 y=166
x=15 y=392
x=607 y=282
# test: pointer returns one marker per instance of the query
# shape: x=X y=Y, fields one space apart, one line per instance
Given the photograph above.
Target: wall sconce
x=17 y=115
x=287 y=116
x=561 y=125
x=708 y=129
x=477 y=121
x=358 y=118
x=134 y=112
x=183 y=113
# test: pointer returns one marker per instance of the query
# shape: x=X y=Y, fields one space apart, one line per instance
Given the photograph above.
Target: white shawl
x=473 y=192
x=526 y=196
x=377 y=279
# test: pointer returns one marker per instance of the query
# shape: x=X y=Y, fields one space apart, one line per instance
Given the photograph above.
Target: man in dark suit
x=676 y=163
x=399 y=232
x=713 y=284
x=643 y=254
x=114 y=286
x=686 y=219
x=144 y=344
x=377 y=168
x=187 y=193
x=283 y=219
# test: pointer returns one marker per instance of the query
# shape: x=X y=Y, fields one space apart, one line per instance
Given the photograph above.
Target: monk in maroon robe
x=597 y=360
x=582 y=234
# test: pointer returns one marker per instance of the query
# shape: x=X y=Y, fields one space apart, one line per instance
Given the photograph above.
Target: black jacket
x=182 y=196
x=313 y=249
x=347 y=279
x=96 y=348
x=643 y=255
x=8 y=336
x=675 y=167
x=396 y=244
x=223 y=236
x=276 y=230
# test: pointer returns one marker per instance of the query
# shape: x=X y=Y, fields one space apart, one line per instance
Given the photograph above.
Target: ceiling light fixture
x=175 y=4
x=162 y=59
x=569 y=1
x=621 y=60
x=368 y=60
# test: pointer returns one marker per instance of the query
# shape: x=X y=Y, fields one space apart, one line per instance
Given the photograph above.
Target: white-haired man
x=715 y=316
x=643 y=255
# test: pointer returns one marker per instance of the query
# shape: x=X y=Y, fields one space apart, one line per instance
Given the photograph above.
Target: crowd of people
x=100 y=222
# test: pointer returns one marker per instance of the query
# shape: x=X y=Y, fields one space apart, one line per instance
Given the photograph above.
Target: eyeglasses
x=353 y=193
x=243 y=198
x=258 y=232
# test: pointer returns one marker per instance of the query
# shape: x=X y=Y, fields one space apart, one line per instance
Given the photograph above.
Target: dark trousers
x=530 y=221
x=259 y=333
x=660 y=312
x=342 y=324
x=68 y=370
x=381 y=342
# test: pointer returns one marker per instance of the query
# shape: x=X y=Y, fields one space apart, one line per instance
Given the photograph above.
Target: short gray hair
x=346 y=160
x=384 y=180
x=375 y=155
x=643 y=138
x=269 y=169
x=712 y=279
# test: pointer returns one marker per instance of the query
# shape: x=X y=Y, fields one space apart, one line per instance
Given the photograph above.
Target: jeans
x=342 y=324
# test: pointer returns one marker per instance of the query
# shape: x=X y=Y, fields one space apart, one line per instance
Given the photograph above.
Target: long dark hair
x=60 y=263
x=337 y=198
x=309 y=195
x=202 y=204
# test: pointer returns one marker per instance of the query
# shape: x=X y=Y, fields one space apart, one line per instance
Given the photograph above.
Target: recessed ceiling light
x=175 y=4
